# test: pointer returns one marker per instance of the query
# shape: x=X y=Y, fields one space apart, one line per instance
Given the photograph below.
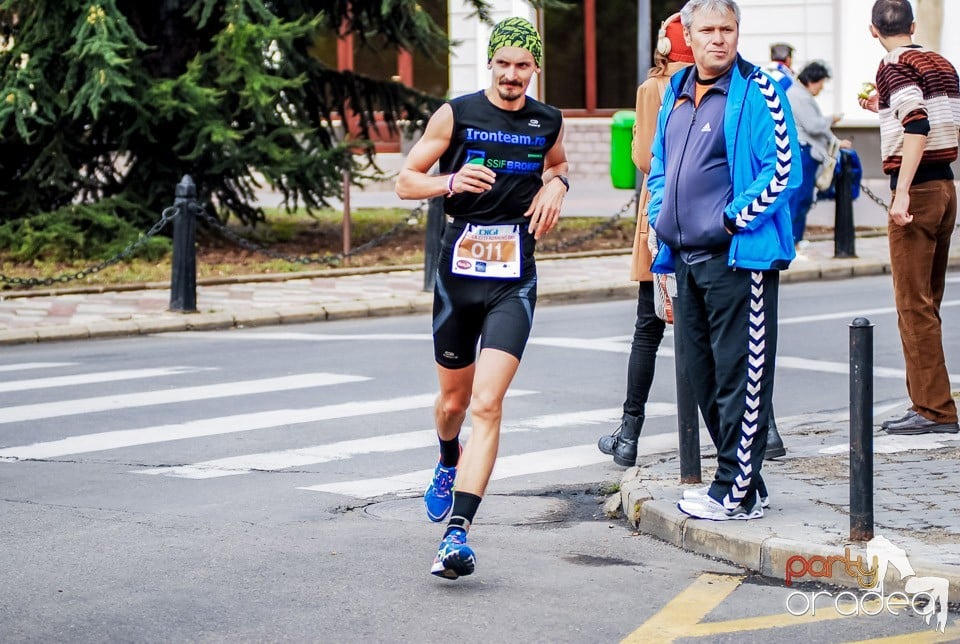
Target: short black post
x=688 y=421
x=861 y=430
x=844 y=235
x=183 y=275
x=431 y=248
x=347 y=224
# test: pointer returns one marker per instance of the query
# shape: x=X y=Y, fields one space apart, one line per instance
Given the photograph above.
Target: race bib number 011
x=488 y=251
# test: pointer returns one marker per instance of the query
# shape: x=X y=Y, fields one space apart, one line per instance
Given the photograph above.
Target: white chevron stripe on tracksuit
x=784 y=157
x=757 y=343
x=750 y=422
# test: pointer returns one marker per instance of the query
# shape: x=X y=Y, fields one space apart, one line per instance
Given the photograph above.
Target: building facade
x=590 y=78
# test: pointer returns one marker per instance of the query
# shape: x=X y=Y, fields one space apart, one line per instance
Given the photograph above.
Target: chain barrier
x=873 y=197
x=30 y=282
x=880 y=202
x=415 y=216
x=865 y=190
x=593 y=234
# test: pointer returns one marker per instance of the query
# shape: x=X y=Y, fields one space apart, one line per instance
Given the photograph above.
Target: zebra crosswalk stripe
x=24 y=366
x=97 y=377
x=22 y=413
x=506 y=467
x=216 y=426
x=389 y=443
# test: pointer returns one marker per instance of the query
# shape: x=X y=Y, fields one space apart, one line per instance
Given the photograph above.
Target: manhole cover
x=495 y=509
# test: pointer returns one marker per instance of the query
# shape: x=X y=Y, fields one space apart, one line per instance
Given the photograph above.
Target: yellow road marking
x=682 y=617
x=782 y=620
x=929 y=637
x=689 y=607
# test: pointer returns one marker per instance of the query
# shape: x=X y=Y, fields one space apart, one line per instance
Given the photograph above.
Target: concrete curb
x=613 y=290
x=753 y=545
x=213 y=320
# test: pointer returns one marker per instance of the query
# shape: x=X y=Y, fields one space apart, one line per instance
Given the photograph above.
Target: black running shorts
x=496 y=312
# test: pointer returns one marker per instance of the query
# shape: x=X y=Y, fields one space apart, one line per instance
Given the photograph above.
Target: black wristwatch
x=563 y=180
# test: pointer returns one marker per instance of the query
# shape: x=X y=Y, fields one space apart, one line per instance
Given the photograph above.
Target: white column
x=860 y=56
x=929 y=17
x=950 y=46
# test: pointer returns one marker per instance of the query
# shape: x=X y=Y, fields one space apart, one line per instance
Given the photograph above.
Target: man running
x=502 y=171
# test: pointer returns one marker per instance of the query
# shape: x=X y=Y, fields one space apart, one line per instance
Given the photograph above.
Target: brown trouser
x=918 y=258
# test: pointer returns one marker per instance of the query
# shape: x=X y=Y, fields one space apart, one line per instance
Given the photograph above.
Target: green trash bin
x=622 y=171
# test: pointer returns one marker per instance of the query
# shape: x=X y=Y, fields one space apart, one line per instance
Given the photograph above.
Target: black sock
x=464 y=509
x=450 y=452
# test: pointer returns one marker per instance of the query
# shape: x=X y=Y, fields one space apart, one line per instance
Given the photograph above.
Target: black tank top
x=512 y=144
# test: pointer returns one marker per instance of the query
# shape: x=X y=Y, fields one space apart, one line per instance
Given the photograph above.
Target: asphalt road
x=261 y=485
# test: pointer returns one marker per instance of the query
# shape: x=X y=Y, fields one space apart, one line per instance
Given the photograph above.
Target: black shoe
x=917 y=424
x=910 y=414
x=775 y=448
x=622 y=444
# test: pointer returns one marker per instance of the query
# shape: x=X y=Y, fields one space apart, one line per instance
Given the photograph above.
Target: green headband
x=516 y=32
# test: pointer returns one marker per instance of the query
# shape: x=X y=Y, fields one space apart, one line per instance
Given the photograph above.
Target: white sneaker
x=706 y=508
x=700 y=492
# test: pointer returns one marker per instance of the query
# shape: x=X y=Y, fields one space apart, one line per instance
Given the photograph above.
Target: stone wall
x=587 y=142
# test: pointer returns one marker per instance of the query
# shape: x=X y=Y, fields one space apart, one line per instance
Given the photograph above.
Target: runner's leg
x=494 y=372
x=451 y=406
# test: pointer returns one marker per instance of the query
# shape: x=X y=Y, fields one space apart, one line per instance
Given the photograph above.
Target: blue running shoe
x=439 y=495
x=455 y=558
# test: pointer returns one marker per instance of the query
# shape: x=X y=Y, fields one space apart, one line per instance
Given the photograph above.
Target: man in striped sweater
x=918 y=99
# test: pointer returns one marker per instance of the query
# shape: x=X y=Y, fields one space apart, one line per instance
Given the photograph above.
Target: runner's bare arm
x=414 y=180
x=544 y=210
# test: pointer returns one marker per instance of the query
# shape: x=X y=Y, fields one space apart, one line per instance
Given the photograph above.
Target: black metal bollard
x=347 y=223
x=688 y=422
x=431 y=248
x=861 y=430
x=844 y=235
x=183 y=274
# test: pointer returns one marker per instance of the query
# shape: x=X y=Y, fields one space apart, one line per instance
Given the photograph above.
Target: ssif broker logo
x=925 y=596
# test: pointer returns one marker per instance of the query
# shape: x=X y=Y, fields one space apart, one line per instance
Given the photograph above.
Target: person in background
x=780 y=67
x=720 y=175
x=918 y=99
x=671 y=55
x=816 y=140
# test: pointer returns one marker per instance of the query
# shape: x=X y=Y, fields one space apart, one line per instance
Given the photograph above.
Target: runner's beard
x=509 y=92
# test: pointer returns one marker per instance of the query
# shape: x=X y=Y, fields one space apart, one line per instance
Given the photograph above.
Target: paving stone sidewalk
x=915 y=501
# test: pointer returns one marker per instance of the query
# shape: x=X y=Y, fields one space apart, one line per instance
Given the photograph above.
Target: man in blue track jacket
x=722 y=167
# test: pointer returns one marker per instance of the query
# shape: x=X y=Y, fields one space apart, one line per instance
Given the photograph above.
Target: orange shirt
x=701 y=89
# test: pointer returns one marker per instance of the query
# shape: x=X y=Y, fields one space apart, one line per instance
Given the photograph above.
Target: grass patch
x=610 y=488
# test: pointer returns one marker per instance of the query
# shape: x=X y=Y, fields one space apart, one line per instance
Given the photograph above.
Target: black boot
x=775 y=448
x=622 y=444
